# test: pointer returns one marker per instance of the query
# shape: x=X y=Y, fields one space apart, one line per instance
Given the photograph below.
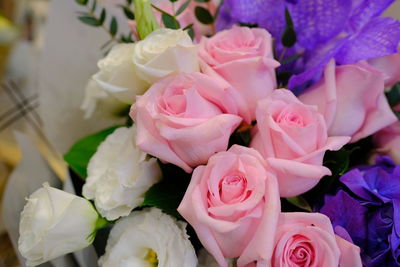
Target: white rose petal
x=117 y=74
x=119 y=174
x=54 y=223
x=146 y=238
x=93 y=93
x=165 y=52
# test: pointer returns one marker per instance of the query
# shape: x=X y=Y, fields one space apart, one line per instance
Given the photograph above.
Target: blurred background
x=46 y=59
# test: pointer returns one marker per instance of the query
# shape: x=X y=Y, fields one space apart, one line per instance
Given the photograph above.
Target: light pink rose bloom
x=243 y=57
x=308 y=240
x=185 y=119
x=233 y=204
x=390 y=66
x=185 y=18
x=387 y=141
x=293 y=138
x=352 y=99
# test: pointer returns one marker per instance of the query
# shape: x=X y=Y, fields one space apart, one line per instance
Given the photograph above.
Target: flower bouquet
x=258 y=133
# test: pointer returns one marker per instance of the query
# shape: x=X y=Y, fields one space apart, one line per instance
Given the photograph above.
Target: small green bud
x=146 y=22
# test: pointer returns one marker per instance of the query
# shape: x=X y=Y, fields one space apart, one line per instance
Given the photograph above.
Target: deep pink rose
x=185 y=119
x=293 y=138
x=352 y=99
x=387 y=141
x=243 y=57
x=308 y=240
x=233 y=204
x=390 y=66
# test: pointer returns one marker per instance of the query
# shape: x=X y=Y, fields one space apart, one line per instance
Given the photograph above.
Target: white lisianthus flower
x=165 y=52
x=117 y=74
x=119 y=174
x=130 y=69
x=54 y=223
x=149 y=238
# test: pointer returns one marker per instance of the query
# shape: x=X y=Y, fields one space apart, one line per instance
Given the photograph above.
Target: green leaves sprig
x=96 y=16
x=170 y=20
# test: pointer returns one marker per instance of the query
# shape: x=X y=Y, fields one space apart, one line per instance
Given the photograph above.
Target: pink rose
x=186 y=18
x=233 y=204
x=293 y=138
x=387 y=141
x=352 y=99
x=390 y=66
x=184 y=119
x=307 y=239
x=243 y=57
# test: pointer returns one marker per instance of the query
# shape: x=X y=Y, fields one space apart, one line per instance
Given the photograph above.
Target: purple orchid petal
x=317 y=22
x=316 y=61
x=378 y=38
x=364 y=11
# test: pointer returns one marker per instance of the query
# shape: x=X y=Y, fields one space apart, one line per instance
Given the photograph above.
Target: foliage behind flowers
x=217 y=158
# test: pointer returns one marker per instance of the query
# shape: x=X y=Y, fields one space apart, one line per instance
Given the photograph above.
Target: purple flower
x=348 y=31
x=370 y=213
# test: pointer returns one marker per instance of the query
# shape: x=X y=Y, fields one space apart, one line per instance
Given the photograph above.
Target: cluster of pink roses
x=233 y=200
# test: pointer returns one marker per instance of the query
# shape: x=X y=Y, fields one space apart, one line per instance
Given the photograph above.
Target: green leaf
x=299 y=202
x=82 y=2
x=202 y=1
x=113 y=26
x=249 y=25
x=393 y=96
x=290 y=59
x=182 y=8
x=242 y=135
x=80 y=153
x=289 y=37
x=129 y=2
x=203 y=15
x=191 y=33
x=89 y=20
x=288 y=18
x=190 y=30
x=94 y=5
x=103 y=16
x=169 y=21
x=128 y=13
x=168 y=194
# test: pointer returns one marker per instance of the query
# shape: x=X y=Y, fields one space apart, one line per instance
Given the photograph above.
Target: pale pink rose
x=233 y=205
x=293 y=138
x=352 y=99
x=185 y=18
x=243 y=57
x=387 y=141
x=185 y=119
x=308 y=240
x=390 y=66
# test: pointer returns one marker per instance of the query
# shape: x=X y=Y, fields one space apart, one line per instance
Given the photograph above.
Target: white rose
x=54 y=223
x=119 y=174
x=148 y=238
x=165 y=52
x=93 y=93
x=130 y=69
x=117 y=74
